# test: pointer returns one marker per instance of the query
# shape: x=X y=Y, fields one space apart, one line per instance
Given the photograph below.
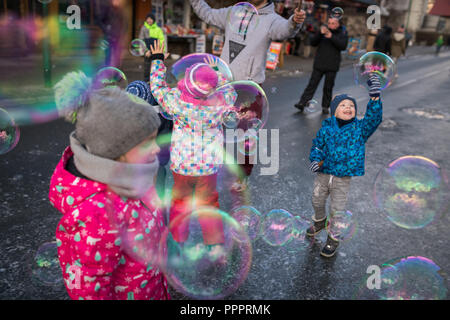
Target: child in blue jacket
x=338 y=153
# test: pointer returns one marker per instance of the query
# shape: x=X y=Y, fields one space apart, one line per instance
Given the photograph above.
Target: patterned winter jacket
x=105 y=241
x=197 y=137
x=343 y=149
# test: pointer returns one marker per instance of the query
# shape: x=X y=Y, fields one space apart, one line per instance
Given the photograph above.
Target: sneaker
x=299 y=106
x=316 y=228
x=330 y=248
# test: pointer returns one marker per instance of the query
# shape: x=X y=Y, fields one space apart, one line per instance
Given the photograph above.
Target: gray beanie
x=109 y=121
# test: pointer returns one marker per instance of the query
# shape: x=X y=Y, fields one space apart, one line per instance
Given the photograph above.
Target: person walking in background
x=439 y=43
x=383 y=41
x=330 y=40
x=398 y=46
x=150 y=32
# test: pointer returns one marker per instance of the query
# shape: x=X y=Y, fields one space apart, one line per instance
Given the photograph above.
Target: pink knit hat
x=198 y=82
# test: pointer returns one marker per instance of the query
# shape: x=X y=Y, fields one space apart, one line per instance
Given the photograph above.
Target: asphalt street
x=27 y=220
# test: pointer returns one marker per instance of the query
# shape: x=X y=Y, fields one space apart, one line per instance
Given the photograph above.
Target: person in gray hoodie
x=246 y=53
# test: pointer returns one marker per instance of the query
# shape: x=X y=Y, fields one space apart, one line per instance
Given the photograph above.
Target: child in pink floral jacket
x=108 y=238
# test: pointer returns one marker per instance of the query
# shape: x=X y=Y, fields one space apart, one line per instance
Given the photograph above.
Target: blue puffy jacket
x=342 y=150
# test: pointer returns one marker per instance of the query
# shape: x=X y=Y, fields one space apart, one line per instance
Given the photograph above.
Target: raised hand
x=157 y=48
x=374 y=85
x=212 y=61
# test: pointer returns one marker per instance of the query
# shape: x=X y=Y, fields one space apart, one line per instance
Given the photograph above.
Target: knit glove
x=374 y=86
x=314 y=166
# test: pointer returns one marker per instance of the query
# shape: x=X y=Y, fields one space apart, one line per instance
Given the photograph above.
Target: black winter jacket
x=328 y=56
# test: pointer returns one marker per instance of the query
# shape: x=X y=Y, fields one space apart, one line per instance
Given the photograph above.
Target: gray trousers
x=327 y=185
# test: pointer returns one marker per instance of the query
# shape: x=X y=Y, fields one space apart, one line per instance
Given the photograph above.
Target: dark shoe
x=316 y=228
x=330 y=248
x=300 y=106
x=325 y=111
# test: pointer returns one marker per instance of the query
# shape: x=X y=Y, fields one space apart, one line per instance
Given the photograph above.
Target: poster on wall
x=273 y=55
x=200 y=46
x=217 y=45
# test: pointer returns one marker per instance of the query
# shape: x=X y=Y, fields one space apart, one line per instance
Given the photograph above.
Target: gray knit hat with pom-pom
x=109 y=121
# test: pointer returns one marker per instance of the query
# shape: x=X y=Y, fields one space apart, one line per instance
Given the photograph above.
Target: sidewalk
x=22 y=81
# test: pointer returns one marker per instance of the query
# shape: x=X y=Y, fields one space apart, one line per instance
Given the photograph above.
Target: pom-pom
x=71 y=94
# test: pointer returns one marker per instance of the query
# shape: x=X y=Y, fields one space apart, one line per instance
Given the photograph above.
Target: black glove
x=374 y=86
x=314 y=166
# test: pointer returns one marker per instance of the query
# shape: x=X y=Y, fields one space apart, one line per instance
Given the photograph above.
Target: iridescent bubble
x=242 y=17
x=299 y=241
x=110 y=77
x=337 y=13
x=312 y=106
x=250 y=220
x=9 y=132
x=277 y=227
x=250 y=106
x=45 y=266
x=138 y=47
x=376 y=63
x=178 y=70
x=274 y=90
x=411 y=278
x=209 y=254
x=412 y=191
x=341 y=225
x=248 y=146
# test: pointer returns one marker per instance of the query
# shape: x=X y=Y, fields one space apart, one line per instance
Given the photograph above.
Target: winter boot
x=316 y=227
x=330 y=247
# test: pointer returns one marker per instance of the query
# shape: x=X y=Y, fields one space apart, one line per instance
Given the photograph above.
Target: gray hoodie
x=246 y=54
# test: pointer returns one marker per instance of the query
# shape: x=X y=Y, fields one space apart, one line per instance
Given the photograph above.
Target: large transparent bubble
x=250 y=220
x=9 y=132
x=412 y=191
x=208 y=254
x=250 y=109
x=178 y=70
x=405 y=278
x=241 y=18
x=277 y=227
x=375 y=63
x=341 y=225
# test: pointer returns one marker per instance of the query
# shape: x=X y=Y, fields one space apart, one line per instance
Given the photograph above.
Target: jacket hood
x=268 y=9
x=64 y=185
x=398 y=36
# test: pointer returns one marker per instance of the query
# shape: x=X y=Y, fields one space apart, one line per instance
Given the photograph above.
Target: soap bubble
x=45 y=268
x=209 y=254
x=406 y=278
x=249 y=110
x=312 y=106
x=9 y=132
x=337 y=13
x=110 y=77
x=375 y=63
x=178 y=70
x=277 y=226
x=241 y=17
x=412 y=191
x=250 y=220
x=341 y=225
x=138 y=47
x=299 y=240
